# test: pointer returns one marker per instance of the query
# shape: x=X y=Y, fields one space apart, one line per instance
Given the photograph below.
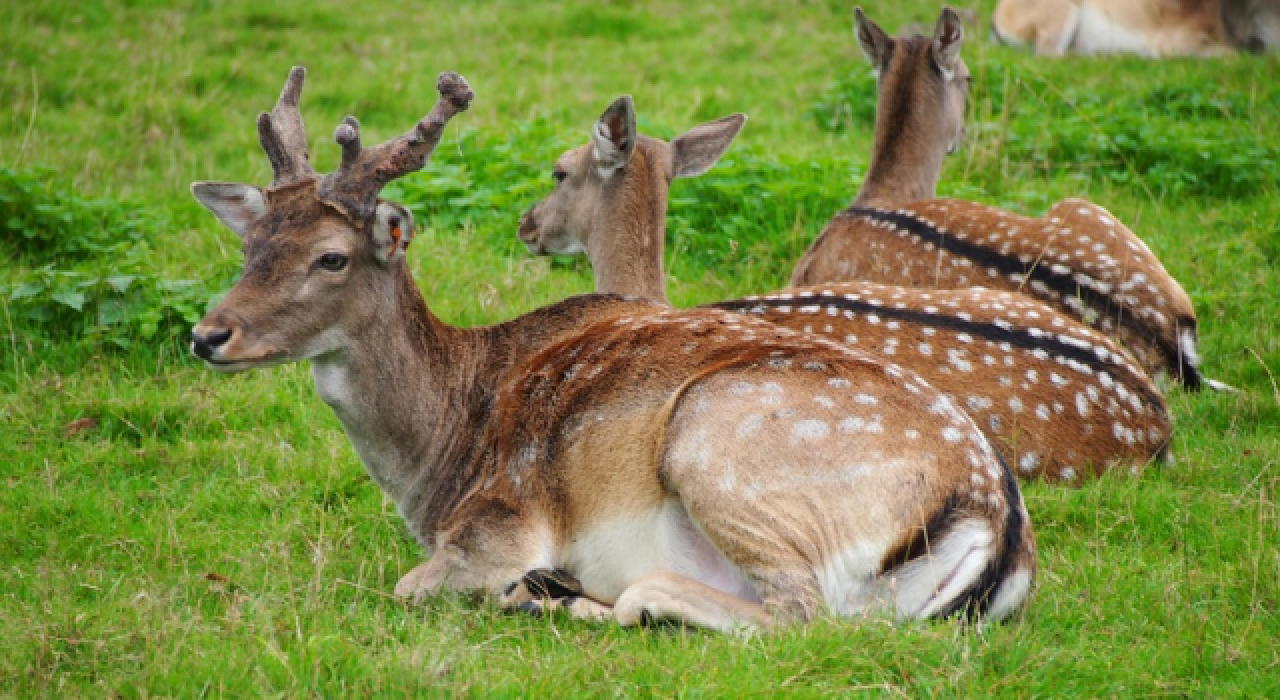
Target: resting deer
x=1079 y=258
x=634 y=461
x=1153 y=28
x=1055 y=397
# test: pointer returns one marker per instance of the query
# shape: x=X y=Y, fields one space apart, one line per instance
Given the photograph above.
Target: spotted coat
x=1079 y=259
x=1056 y=398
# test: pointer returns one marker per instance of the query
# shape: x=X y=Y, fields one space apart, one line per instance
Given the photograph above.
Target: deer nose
x=204 y=342
x=528 y=227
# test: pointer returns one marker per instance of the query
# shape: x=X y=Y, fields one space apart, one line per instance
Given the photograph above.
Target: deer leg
x=423 y=580
x=1056 y=26
x=481 y=554
x=548 y=591
x=664 y=595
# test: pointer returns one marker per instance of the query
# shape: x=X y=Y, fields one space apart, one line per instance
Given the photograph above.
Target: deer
x=1151 y=28
x=605 y=457
x=1078 y=258
x=1057 y=399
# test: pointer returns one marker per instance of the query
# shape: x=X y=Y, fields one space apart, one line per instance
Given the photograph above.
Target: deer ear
x=613 y=138
x=392 y=231
x=236 y=205
x=947 y=37
x=694 y=152
x=874 y=42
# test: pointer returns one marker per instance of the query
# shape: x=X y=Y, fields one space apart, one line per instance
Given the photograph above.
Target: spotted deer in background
x=1078 y=258
x=629 y=460
x=1055 y=397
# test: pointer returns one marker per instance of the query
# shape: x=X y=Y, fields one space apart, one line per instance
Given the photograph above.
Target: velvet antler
x=354 y=186
x=282 y=135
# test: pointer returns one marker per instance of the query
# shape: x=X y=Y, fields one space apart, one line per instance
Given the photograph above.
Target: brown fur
x=1078 y=258
x=604 y=437
x=1061 y=410
x=920 y=109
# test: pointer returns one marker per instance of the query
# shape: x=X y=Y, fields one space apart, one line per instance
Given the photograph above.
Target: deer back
x=1078 y=258
x=1057 y=399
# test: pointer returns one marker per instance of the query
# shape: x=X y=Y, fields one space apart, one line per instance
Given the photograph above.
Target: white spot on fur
x=809 y=430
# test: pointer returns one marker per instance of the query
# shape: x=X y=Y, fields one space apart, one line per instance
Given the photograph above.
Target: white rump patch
x=1011 y=594
x=931 y=583
x=1187 y=346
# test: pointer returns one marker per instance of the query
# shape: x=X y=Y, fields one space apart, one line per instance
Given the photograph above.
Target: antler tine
x=348 y=136
x=282 y=135
x=364 y=172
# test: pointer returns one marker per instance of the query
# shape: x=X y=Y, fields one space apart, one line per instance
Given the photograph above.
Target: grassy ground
x=168 y=532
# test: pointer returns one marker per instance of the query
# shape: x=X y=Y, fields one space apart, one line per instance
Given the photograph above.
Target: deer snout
x=528 y=231
x=958 y=140
x=206 y=340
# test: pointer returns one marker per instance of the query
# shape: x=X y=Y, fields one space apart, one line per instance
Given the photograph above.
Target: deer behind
x=1079 y=258
x=1153 y=28
x=1056 y=398
x=628 y=460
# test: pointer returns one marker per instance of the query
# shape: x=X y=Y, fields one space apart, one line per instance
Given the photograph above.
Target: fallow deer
x=1153 y=28
x=1055 y=397
x=700 y=466
x=1079 y=258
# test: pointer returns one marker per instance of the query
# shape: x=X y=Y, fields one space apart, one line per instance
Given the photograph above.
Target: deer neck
x=626 y=249
x=413 y=394
x=905 y=161
x=404 y=388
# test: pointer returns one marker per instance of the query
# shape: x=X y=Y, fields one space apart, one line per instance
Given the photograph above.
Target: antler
x=363 y=172
x=282 y=135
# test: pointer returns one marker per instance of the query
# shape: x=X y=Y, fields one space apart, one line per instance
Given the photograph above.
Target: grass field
x=165 y=532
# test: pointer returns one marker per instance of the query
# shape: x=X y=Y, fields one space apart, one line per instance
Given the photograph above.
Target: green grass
x=168 y=532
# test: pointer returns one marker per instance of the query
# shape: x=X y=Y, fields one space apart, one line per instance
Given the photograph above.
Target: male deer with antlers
x=1079 y=258
x=637 y=462
x=1056 y=398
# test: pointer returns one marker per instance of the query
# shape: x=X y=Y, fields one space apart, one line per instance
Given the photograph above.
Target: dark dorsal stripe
x=1065 y=284
x=1016 y=336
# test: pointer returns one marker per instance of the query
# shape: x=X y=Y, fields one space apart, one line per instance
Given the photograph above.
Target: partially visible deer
x=631 y=461
x=1056 y=398
x=1078 y=258
x=1153 y=28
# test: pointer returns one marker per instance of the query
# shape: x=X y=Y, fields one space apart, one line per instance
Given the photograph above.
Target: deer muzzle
x=528 y=231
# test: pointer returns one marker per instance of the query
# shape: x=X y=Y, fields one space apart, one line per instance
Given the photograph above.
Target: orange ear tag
x=395 y=240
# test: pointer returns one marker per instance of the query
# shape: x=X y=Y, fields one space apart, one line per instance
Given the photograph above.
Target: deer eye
x=558 y=175
x=332 y=262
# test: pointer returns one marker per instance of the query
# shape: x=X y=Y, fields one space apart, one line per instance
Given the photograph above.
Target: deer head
x=322 y=253
x=923 y=88
x=615 y=187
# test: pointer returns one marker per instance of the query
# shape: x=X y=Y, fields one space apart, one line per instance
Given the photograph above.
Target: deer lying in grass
x=635 y=461
x=1056 y=398
x=1079 y=258
x=1154 y=28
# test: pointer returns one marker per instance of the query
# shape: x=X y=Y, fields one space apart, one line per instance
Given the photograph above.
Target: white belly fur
x=1098 y=33
x=615 y=553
